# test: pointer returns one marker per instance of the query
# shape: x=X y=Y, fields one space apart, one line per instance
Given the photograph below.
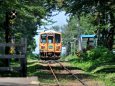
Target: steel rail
x=54 y=75
x=84 y=84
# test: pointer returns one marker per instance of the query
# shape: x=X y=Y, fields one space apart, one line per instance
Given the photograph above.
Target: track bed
x=53 y=74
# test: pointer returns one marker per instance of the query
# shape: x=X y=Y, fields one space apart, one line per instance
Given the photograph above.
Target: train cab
x=50 y=45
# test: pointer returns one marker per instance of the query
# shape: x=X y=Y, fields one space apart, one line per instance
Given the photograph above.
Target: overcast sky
x=60 y=21
x=60 y=18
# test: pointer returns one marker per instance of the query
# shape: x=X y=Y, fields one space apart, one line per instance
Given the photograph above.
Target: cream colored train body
x=50 y=45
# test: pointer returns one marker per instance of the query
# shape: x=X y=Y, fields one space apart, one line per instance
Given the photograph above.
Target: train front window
x=57 y=38
x=50 y=39
x=43 y=38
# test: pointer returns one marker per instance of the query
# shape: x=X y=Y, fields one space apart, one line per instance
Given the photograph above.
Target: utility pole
x=74 y=41
x=71 y=47
x=79 y=35
x=8 y=36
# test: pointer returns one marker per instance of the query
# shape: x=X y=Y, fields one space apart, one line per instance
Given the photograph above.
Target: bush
x=92 y=59
x=100 y=54
x=32 y=57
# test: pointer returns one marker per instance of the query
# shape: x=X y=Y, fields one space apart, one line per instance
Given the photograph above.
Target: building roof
x=88 y=36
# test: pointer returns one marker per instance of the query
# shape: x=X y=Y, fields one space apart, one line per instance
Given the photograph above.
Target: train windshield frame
x=50 y=39
x=43 y=38
x=57 y=38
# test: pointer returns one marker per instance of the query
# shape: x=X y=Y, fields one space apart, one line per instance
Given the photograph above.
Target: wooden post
x=7 y=37
x=23 y=71
x=7 y=26
x=21 y=56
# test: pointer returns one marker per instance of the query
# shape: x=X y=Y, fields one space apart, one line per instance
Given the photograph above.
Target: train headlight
x=42 y=47
x=58 y=48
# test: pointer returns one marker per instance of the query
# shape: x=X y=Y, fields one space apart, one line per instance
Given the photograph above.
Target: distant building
x=64 y=51
x=86 y=42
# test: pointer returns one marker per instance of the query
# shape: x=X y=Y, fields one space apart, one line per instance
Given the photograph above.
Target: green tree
x=29 y=14
x=72 y=31
x=103 y=13
x=56 y=28
x=86 y=27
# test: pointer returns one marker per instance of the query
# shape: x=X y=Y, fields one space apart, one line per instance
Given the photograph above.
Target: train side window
x=50 y=39
x=57 y=38
x=43 y=38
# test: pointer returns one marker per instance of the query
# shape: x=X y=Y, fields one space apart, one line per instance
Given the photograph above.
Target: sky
x=60 y=18
x=60 y=21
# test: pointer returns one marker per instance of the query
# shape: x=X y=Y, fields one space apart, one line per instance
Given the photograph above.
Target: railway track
x=69 y=71
x=54 y=74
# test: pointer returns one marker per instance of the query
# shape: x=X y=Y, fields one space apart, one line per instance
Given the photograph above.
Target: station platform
x=19 y=81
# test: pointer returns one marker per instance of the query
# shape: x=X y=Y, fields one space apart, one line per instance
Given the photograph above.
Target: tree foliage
x=103 y=13
x=72 y=30
x=29 y=14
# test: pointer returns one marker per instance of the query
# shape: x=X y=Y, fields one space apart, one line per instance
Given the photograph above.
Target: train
x=50 y=45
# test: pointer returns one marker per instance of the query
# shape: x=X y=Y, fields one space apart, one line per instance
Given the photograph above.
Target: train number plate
x=50 y=47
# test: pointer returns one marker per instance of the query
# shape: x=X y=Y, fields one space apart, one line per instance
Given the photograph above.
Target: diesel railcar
x=50 y=45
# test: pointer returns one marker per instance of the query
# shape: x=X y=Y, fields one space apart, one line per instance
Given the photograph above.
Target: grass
x=105 y=68
x=103 y=71
x=107 y=78
x=83 y=65
x=91 y=67
x=77 y=62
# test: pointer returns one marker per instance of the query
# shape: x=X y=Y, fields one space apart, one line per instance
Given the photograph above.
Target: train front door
x=50 y=43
